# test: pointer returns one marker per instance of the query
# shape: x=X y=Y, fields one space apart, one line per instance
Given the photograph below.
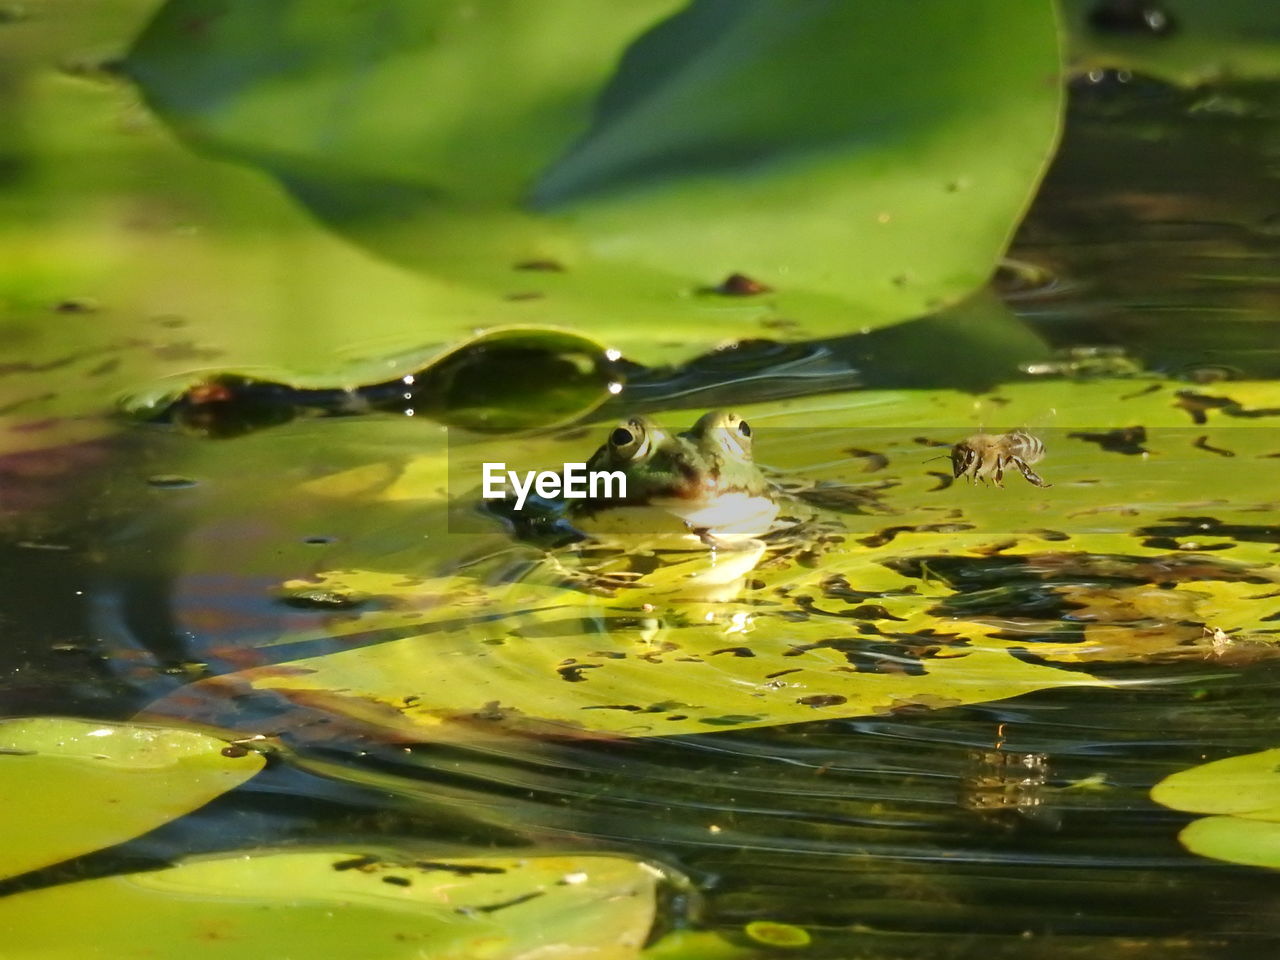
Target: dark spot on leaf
x=1045 y=534
x=235 y=750
x=992 y=549
x=1202 y=443
x=944 y=480
x=105 y=367
x=573 y=672
x=356 y=863
x=888 y=534
x=837 y=587
x=736 y=651
x=629 y=707
x=1198 y=406
x=874 y=461
x=731 y=719
x=541 y=265
x=779 y=323
x=1126 y=440
x=398 y=881
x=781 y=673
x=823 y=700
x=77 y=305
x=739 y=285
x=461 y=869
x=871 y=611
x=1154 y=388
x=515 y=901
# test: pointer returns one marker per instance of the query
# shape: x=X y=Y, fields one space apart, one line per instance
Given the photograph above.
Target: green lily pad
x=345 y=903
x=545 y=668
x=1254 y=843
x=918 y=604
x=604 y=184
x=68 y=786
x=1243 y=786
x=1244 y=792
x=1183 y=41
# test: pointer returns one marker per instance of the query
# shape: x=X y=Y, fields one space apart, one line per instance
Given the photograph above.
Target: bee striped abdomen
x=1025 y=447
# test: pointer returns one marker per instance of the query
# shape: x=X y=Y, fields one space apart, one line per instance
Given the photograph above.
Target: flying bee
x=985 y=455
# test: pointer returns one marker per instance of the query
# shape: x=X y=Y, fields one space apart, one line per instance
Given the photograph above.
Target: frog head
x=705 y=477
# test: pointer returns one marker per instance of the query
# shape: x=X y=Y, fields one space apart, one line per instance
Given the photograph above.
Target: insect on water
x=985 y=456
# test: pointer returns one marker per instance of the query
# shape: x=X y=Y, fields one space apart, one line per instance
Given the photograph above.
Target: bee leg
x=999 y=474
x=1031 y=475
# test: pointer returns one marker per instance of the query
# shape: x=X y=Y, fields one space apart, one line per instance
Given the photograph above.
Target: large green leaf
x=125 y=259
x=1244 y=792
x=869 y=160
x=69 y=787
x=344 y=903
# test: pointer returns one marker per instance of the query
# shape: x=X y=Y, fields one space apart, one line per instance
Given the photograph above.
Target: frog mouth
x=741 y=514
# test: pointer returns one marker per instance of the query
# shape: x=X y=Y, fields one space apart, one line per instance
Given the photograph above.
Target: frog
x=695 y=499
x=704 y=479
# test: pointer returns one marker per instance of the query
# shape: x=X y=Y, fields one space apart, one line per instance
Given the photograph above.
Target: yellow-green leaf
x=70 y=786
x=352 y=904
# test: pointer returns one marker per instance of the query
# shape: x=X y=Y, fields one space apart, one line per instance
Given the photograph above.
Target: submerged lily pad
x=613 y=185
x=345 y=903
x=1245 y=793
x=909 y=593
x=69 y=786
x=555 y=666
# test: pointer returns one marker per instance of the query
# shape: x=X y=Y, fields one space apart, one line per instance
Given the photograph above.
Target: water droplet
x=1132 y=16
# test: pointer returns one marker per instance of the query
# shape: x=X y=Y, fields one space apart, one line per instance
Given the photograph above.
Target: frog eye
x=630 y=440
x=744 y=428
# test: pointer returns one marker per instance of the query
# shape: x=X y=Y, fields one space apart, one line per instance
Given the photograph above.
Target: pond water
x=155 y=568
